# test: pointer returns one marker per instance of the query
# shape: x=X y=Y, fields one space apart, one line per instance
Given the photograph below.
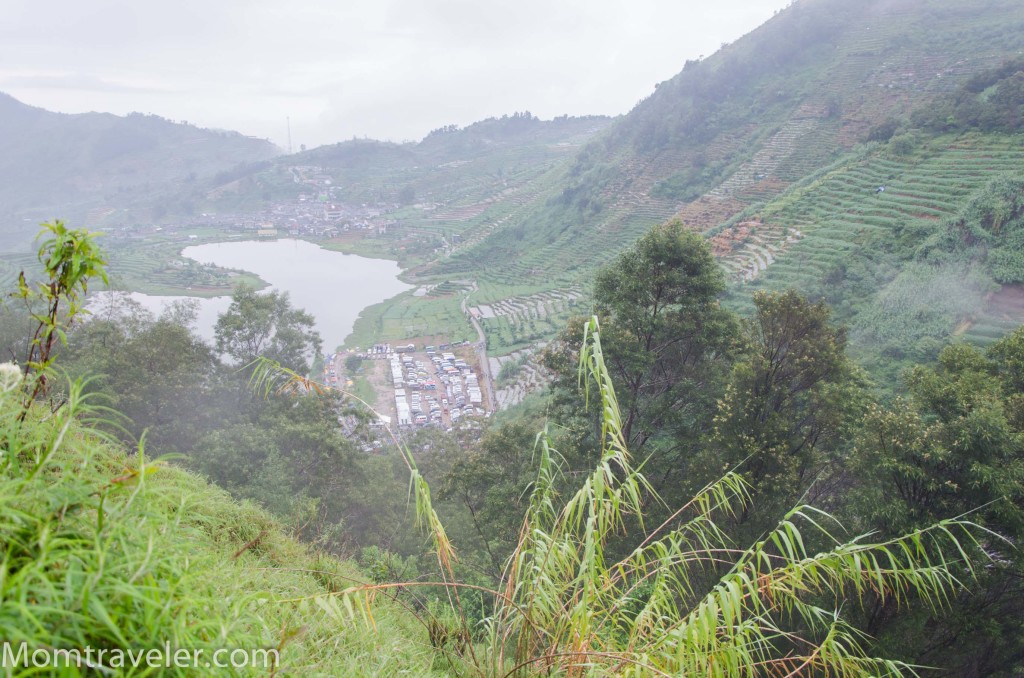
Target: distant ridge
x=66 y=164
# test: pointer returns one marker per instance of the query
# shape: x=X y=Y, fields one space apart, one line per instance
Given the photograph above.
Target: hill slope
x=109 y=550
x=70 y=164
x=739 y=127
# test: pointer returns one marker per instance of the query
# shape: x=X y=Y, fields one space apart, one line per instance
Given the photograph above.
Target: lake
x=332 y=286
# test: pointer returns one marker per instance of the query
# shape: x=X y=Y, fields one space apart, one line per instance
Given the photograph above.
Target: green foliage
x=902 y=145
x=789 y=401
x=668 y=344
x=121 y=552
x=684 y=601
x=665 y=332
x=988 y=229
x=956 y=444
x=352 y=363
x=382 y=566
x=691 y=183
x=283 y=454
x=154 y=371
x=991 y=101
x=266 y=325
x=492 y=482
x=510 y=370
x=70 y=258
x=922 y=306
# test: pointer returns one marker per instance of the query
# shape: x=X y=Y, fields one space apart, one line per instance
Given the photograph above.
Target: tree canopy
x=267 y=325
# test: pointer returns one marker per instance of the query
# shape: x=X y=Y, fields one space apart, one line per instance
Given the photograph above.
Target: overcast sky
x=386 y=69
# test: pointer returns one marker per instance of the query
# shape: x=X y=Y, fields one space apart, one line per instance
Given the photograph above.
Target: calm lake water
x=332 y=286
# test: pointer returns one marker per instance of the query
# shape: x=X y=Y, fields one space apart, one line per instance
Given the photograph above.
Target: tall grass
x=104 y=549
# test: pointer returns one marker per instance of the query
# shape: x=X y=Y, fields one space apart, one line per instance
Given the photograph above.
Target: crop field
x=155 y=267
x=516 y=323
x=1002 y=313
x=527 y=376
x=13 y=264
x=839 y=211
x=505 y=336
x=836 y=214
x=407 y=317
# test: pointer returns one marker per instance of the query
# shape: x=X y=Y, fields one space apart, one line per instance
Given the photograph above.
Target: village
x=415 y=388
x=318 y=211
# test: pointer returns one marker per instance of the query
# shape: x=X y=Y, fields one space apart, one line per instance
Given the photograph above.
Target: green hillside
x=739 y=127
x=774 y=146
x=89 y=165
x=514 y=214
x=778 y=305
x=713 y=146
x=745 y=135
x=107 y=549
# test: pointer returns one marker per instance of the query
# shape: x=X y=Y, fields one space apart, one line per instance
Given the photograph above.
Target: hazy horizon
x=392 y=71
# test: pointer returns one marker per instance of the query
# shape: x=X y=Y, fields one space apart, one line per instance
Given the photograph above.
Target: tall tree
x=955 y=445
x=668 y=345
x=154 y=370
x=789 y=400
x=267 y=325
x=664 y=329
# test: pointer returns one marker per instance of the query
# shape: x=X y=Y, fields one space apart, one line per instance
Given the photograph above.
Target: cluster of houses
x=317 y=212
x=439 y=392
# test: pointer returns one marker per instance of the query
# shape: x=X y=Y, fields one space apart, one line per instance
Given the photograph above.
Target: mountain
x=739 y=127
x=452 y=165
x=59 y=164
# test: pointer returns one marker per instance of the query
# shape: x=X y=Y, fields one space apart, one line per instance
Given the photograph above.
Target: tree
x=267 y=325
x=686 y=601
x=287 y=455
x=492 y=482
x=352 y=363
x=955 y=445
x=154 y=370
x=70 y=258
x=789 y=399
x=668 y=343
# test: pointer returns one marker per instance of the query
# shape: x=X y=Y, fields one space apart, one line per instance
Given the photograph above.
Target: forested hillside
x=80 y=166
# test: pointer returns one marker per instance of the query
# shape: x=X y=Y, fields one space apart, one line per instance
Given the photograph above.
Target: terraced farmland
x=749 y=248
x=867 y=198
x=154 y=267
x=412 y=318
x=1003 y=313
x=12 y=265
x=530 y=376
x=517 y=323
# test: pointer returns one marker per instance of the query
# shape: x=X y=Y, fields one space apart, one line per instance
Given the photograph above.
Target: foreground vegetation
x=796 y=466
x=106 y=548
x=593 y=569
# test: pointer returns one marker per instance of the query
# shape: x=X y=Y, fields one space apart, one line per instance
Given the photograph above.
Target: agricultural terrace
x=823 y=223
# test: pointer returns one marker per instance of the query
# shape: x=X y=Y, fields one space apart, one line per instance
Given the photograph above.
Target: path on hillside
x=481 y=349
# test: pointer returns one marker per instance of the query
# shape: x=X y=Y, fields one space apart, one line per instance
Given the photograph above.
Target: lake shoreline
x=334 y=286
